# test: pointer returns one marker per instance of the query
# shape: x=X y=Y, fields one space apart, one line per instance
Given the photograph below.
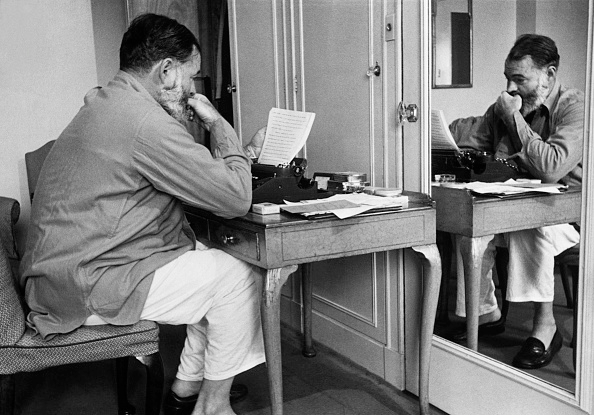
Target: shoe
x=491 y=328
x=174 y=405
x=533 y=355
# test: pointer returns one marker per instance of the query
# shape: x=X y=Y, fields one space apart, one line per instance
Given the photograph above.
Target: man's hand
x=507 y=104
x=205 y=111
x=254 y=147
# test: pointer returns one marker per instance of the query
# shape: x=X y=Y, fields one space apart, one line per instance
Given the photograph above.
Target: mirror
x=452 y=43
x=498 y=24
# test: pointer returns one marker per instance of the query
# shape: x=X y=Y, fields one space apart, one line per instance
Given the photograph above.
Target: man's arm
x=553 y=158
x=219 y=181
x=474 y=133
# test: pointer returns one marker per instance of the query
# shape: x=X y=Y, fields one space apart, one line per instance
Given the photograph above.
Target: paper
x=286 y=134
x=441 y=137
x=512 y=187
x=341 y=205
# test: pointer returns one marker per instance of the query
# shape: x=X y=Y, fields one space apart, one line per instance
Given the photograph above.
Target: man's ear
x=167 y=72
x=551 y=71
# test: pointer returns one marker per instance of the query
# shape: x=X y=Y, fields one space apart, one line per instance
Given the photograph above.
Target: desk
x=278 y=243
x=475 y=220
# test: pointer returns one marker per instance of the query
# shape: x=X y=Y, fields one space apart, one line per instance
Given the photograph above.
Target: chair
x=22 y=351
x=569 y=262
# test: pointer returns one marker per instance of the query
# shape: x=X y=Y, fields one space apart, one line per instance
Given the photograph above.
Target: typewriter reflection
x=472 y=165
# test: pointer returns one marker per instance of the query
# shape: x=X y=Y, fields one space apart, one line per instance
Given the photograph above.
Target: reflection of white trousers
x=530 y=270
x=217 y=296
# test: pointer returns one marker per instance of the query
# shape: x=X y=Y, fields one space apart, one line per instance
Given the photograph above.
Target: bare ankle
x=186 y=388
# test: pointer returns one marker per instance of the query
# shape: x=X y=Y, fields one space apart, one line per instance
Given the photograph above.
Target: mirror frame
x=434 y=49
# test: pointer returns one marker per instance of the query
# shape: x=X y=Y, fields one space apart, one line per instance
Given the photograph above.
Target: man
x=537 y=123
x=108 y=240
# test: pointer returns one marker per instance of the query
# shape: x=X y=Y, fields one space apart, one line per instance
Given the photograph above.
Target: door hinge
x=295 y=84
x=389 y=28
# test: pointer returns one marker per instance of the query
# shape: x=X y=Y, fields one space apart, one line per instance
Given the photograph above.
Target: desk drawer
x=243 y=242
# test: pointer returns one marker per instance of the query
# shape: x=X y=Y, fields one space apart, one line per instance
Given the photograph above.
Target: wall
x=566 y=22
x=494 y=32
x=109 y=25
x=48 y=63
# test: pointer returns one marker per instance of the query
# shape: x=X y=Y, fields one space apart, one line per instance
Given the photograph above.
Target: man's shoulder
x=570 y=94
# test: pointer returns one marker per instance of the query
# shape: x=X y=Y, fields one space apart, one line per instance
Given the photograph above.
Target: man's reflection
x=536 y=124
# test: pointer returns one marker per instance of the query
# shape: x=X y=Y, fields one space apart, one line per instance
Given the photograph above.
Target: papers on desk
x=345 y=205
x=512 y=188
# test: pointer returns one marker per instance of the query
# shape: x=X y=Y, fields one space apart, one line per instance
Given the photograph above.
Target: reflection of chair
x=22 y=351
x=568 y=262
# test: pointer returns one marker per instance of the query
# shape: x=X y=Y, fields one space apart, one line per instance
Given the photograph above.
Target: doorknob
x=374 y=70
x=231 y=88
x=408 y=113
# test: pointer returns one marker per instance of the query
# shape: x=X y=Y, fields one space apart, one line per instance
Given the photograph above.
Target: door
x=338 y=59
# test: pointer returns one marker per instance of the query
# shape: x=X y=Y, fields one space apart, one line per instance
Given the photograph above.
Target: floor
x=324 y=385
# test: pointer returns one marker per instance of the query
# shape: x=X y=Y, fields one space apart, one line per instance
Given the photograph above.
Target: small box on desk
x=265 y=208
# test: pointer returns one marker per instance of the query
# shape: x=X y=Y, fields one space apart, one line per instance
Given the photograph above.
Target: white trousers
x=530 y=270
x=217 y=297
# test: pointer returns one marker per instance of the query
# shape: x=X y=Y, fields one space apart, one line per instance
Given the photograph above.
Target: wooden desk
x=475 y=220
x=278 y=243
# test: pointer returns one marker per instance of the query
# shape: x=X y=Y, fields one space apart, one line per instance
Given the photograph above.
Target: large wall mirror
x=497 y=24
x=451 y=22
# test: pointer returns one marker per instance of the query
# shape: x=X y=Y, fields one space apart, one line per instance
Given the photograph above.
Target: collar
x=128 y=79
x=552 y=99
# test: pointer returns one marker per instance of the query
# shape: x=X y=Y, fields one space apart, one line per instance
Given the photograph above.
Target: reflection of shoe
x=486 y=329
x=174 y=405
x=533 y=355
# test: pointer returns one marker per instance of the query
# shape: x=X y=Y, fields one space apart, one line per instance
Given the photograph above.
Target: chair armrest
x=10 y=210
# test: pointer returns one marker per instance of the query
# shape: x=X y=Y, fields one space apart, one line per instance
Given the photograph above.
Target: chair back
x=33 y=162
x=12 y=314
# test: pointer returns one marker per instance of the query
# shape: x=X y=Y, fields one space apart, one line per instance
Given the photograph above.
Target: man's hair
x=152 y=38
x=541 y=49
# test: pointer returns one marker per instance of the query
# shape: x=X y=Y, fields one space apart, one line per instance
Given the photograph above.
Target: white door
x=338 y=59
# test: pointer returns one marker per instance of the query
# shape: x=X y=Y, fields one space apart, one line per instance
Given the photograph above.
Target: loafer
x=174 y=405
x=491 y=328
x=533 y=354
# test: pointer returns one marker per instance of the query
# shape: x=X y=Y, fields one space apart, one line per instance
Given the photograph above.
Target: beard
x=174 y=101
x=535 y=98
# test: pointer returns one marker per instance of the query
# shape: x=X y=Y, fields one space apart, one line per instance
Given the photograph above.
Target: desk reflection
x=473 y=221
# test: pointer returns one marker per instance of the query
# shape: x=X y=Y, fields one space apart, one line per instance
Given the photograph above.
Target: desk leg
x=306 y=289
x=472 y=251
x=270 y=312
x=431 y=259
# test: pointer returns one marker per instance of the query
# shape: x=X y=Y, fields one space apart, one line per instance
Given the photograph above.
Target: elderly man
x=108 y=240
x=537 y=124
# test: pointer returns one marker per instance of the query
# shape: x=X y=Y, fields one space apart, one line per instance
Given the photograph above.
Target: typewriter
x=471 y=165
x=275 y=184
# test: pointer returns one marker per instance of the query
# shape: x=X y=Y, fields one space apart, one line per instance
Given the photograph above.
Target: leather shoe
x=174 y=405
x=491 y=328
x=533 y=355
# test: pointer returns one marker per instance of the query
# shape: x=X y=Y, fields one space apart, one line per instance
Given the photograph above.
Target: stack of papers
x=513 y=188
x=345 y=205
